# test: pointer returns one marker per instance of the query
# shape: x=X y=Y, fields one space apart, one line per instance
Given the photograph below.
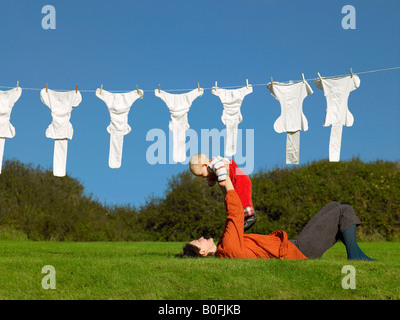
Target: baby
x=216 y=170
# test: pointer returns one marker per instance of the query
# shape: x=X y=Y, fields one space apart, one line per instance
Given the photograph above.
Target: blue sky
x=177 y=44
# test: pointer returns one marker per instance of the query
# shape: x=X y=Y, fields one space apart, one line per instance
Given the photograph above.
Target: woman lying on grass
x=333 y=222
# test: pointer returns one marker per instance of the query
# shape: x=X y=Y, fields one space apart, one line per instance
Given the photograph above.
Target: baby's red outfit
x=242 y=184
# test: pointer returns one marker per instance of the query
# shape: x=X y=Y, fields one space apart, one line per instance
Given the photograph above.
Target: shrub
x=36 y=205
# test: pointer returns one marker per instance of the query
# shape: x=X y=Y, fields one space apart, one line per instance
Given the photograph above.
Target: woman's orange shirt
x=233 y=243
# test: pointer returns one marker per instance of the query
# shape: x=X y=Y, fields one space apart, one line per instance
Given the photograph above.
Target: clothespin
x=351 y=72
x=17 y=85
x=47 y=87
x=216 y=85
x=198 y=86
x=76 y=90
x=137 y=89
x=101 y=89
x=247 y=83
x=272 y=82
x=159 y=87
x=319 y=76
x=304 y=80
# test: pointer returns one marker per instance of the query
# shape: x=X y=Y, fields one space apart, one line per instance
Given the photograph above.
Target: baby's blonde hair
x=196 y=161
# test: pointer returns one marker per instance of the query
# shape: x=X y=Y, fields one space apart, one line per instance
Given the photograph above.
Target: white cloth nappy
x=292 y=119
x=61 y=105
x=231 y=116
x=337 y=91
x=7 y=130
x=179 y=105
x=119 y=105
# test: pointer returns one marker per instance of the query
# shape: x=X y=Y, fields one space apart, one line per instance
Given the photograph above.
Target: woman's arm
x=225 y=184
x=228 y=183
x=231 y=241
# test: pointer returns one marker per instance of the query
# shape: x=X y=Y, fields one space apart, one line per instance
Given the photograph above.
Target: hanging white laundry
x=231 y=116
x=292 y=119
x=7 y=130
x=337 y=91
x=61 y=105
x=119 y=105
x=179 y=105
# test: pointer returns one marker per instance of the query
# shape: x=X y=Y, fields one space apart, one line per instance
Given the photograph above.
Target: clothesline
x=210 y=88
x=292 y=120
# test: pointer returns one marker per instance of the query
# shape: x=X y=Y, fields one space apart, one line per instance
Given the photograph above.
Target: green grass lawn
x=149 y=270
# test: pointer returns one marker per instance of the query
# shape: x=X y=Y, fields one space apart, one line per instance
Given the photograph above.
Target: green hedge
x=288 y=198
x=43 y=207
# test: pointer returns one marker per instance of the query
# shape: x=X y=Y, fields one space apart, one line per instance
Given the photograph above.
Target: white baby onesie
x=7 y=130
x=61 y=105
x=231 y=116
x=292 y=119
x=179 y=105
x=337 y=91
x=119 y=105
